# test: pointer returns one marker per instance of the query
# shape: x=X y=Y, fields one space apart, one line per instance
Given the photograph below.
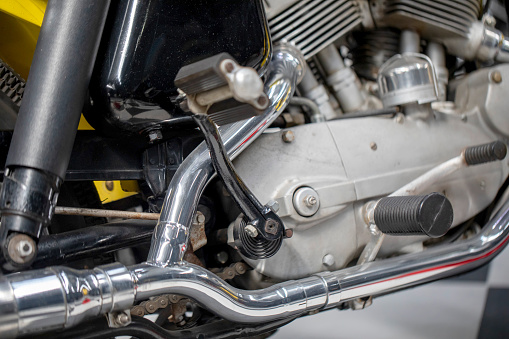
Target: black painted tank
x=146 y=42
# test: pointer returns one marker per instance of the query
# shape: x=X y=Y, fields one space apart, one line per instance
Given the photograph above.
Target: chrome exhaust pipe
x=171 y=234
x=61 y=297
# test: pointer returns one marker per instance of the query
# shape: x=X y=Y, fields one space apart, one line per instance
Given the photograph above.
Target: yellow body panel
x=20 y=23
x=110 y=191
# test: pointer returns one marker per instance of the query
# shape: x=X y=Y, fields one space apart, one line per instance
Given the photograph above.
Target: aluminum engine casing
x=349 y=162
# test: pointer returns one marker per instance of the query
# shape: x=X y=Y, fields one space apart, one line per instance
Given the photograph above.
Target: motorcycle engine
x=319 y=176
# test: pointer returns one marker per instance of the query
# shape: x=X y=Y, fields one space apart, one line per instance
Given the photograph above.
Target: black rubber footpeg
x=485 y=153
x=429 y=215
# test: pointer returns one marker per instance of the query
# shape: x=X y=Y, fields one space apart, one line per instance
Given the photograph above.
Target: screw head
x=251 y=231
x=328 y=260
x=289 y=233
x=122 y=319
x=496 y=77
x=288 y=136
x=373 y=146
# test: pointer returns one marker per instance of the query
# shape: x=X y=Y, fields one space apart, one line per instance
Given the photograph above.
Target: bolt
x=229 y=67
x=464 y=118
x=154 y=136
x=373 y=146
x=262 y=101
x=288 y=136
x=273 y=205
x=289 y=233
x=122 y=319
x=24 y=248
x=489 y=20
x=251 y=231
x=496 y=77
x=328 y=260
x=109 y=185
x=222 y=257
x=310 y=200
x=199 y=217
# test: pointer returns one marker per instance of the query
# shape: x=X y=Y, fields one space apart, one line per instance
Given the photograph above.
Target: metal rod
x=91 y=212
x=187 y=185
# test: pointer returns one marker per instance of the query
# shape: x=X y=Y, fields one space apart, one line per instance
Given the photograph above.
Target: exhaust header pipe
x=61 y=297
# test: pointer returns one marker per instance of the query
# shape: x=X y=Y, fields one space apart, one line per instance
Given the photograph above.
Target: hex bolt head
x=155 y=135
x=328 y=260
x=251 y=231
x=273 y=205
x=288 y=136
x=310 y=200
x=122 y=319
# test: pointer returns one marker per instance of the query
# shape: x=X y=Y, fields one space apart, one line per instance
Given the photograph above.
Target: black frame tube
x=91 y=241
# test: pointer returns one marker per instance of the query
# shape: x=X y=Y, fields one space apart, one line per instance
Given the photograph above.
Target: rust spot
x=197 y=236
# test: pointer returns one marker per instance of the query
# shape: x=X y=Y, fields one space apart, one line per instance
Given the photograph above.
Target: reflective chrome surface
x=56 y=297
x=284 y=72
x=407 y=78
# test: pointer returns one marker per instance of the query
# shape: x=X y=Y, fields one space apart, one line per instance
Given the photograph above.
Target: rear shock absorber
x=47 y=122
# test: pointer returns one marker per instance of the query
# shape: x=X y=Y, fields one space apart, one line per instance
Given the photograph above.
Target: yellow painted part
x=84 y=125
x=20 y=23
x=28 y=10
x=117 y=192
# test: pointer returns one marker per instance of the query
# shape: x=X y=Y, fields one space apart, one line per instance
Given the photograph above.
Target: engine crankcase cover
x=338 y=160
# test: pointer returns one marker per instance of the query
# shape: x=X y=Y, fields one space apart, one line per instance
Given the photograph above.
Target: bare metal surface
x=91 y=212
x=312 y=24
